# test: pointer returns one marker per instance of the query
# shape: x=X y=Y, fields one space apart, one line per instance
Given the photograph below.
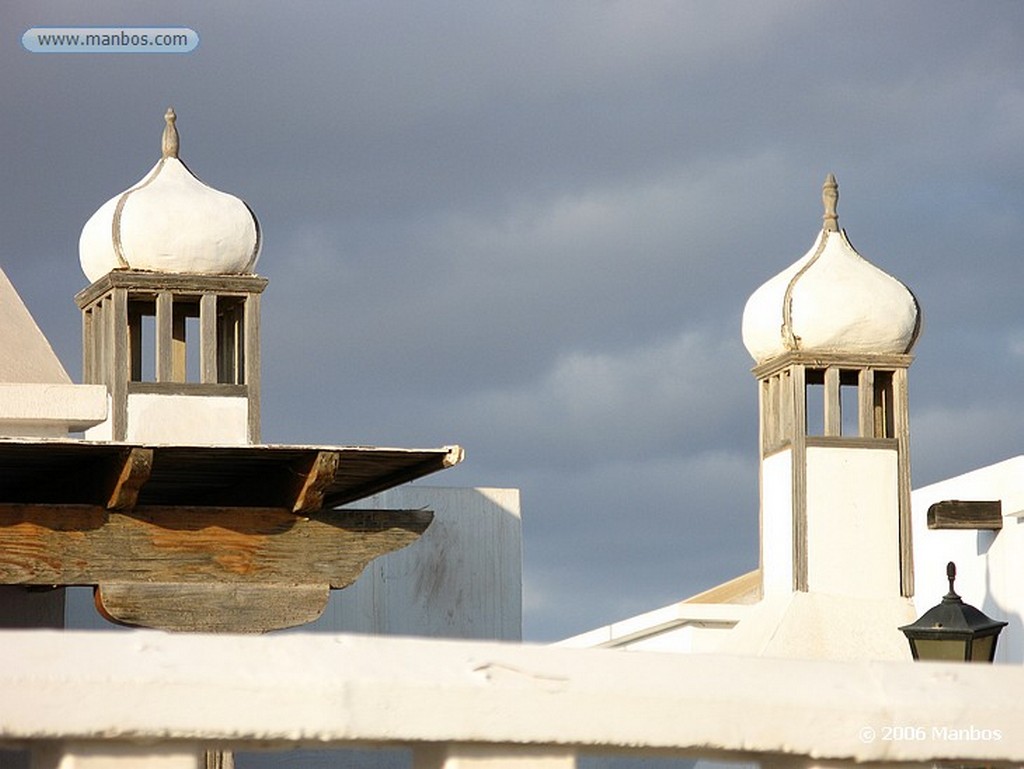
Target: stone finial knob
x=170 y=138
x=830 y=197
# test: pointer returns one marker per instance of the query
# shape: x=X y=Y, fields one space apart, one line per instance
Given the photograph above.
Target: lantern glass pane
x=982 y=651
x=953 y=650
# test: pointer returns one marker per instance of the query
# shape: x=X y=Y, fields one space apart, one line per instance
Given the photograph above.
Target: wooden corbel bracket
x=314 y=481
x=129 y=479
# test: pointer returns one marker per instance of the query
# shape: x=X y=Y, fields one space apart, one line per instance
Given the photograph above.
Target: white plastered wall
x=461 y=579
x=777 y=523
x=206 y=419
x=853 y=522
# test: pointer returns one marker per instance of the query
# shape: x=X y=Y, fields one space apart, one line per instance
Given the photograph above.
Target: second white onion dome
x=832 y=300
x=171 y=222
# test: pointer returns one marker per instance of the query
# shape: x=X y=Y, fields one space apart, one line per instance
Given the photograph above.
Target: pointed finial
x=170 y=140
x=951 y=576
x=830 y=197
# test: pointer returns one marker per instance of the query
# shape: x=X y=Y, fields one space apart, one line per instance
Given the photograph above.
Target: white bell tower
x=831 y=336
x=171 y=321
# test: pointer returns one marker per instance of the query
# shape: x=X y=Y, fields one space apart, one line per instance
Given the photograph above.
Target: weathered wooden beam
x=961 y=514
x=198 y=569
x=164 y=281
x=215 y=608
x=129 y=479
x=89 y=545
x=309 y=496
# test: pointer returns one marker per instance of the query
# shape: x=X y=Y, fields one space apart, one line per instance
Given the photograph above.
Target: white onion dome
x=171 y=222
x=832 y=300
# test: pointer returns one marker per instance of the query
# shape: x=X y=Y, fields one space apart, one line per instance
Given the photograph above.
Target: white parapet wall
x=203 y=419
x=777 y=523
x=149 y=694
x=44 y=410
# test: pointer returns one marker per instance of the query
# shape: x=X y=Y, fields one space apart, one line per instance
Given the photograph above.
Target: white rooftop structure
x=848 y=553
x=831 y=336
x=171 y=321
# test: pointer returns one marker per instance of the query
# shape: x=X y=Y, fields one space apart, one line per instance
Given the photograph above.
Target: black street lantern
x=953 y=631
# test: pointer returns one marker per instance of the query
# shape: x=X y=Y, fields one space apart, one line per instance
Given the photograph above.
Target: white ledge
x=331 y=691
x=652 y=623
x=32 y=409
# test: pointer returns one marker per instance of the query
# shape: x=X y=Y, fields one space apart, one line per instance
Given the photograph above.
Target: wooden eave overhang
x=203 y=538
x=260 y=476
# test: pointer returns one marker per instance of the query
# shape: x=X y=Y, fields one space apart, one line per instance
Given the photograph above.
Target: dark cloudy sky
x=530 y=228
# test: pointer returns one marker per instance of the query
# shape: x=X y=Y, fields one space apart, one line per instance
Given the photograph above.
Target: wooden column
x=117 y=358
x=901 y=427
x=833 y=410
x=164 y=337
x=798 y=394
x=251 y=353
x=88 y=351
x=770 y=417
x=866 y=403
x=208 y=339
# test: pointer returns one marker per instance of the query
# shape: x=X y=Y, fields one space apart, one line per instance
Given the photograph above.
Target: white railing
x=149 y=700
